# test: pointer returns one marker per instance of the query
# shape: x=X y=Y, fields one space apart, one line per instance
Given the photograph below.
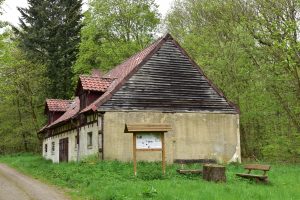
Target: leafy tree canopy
x=114 y=30
x=22 y=94
x=251 y=50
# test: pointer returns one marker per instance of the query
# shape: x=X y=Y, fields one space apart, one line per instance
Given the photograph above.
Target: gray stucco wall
x=193 y=136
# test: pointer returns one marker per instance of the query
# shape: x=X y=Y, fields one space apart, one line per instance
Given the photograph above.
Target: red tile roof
x=59 y=105
x=71 y=112
x=95 y=83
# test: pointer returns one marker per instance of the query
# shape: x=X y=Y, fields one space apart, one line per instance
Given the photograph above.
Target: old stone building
x=159 y=85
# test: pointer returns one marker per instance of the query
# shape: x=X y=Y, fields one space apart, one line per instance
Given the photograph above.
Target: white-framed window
x=90 y=139
x=52 y=148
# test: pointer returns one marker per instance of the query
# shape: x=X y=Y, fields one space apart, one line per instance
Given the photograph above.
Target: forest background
x=250 y=49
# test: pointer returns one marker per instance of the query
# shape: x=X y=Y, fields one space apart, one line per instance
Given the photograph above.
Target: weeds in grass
x=103 y=180
x=150 y=192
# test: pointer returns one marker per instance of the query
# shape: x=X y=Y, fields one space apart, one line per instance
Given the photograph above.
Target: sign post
x=163 y=156
x=134 y=153
x=149 y=137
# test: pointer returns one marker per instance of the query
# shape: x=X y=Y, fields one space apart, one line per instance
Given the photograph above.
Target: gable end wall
x=168 y=81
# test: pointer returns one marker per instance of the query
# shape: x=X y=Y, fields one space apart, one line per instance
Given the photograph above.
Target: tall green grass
x=92 y=179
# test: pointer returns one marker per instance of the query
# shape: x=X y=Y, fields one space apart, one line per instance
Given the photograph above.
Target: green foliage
x=249 y=52
x=21 y=95
x=283 y=148
x=250 y=49
x=115 y=180
x=50 y=33
x=113 y=31
x=1 y=2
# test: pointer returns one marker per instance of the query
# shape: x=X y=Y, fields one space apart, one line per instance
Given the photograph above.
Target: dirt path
x=16 y=186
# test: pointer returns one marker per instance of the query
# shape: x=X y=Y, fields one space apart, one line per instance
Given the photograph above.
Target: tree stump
x=214 y=172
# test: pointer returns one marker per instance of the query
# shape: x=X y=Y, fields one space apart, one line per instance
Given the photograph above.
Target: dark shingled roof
x=123 y=72
x=120 y=72
x=111 y=82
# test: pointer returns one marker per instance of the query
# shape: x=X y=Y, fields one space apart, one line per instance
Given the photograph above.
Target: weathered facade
x=160 y=84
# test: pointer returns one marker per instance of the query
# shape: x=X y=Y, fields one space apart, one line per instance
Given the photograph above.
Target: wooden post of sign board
x=158 y=129
x=163 y=156
x=162 y=135
x=134 y=152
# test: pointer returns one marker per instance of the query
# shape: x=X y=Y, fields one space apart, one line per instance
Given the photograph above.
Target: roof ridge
x=91 y=76
x=139 y=52
x=60 y=99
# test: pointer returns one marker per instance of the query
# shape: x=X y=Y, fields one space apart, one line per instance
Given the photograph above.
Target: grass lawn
x=93 y=179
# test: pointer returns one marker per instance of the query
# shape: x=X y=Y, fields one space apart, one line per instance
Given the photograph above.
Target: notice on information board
x=148 y=141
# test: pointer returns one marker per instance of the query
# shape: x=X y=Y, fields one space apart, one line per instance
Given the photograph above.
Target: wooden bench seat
x=184 y=162
x=256 y=177
x=189 y=171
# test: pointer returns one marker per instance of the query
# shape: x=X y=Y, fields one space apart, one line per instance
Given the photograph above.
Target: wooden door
x=63 y=150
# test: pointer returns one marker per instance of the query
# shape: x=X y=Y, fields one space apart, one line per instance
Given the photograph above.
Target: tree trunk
x=21 y=123
x=213 y=172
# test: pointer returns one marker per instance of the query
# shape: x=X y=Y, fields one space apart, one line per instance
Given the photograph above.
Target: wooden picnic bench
x=184 y=162
x=257 y=178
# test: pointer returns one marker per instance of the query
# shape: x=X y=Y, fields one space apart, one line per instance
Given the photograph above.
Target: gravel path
x=16 y=186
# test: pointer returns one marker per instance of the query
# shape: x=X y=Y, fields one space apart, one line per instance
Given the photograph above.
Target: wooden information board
x=148 y=137
x=148 y=141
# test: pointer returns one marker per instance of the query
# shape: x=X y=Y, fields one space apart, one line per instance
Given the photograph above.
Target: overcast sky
x=11 y=14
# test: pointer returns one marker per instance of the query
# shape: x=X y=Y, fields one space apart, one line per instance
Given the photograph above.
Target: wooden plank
x=189 y=171
x=130 y=128
x=252 y=176
x=191 y=161
x=63 y=150
x=258 y=167
x=148 y=149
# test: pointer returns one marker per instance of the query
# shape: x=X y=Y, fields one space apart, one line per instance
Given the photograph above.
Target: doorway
x=63 y=150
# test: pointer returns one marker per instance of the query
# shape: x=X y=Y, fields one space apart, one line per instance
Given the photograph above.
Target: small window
x=76 y=142
x=100 y=140
x=53 y=148
x=46 y=148
x=89 y=139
